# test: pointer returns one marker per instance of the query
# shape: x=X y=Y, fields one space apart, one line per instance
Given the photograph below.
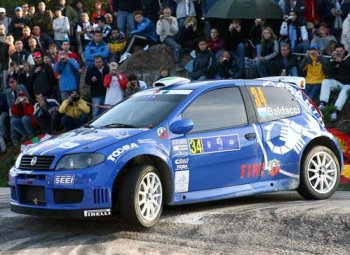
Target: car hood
x=82 y=140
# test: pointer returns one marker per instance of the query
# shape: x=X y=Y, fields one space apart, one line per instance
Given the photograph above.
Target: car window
x=217 y=109
x=273 y=103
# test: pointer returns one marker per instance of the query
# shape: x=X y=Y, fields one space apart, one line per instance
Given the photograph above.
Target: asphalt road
x=280 y=223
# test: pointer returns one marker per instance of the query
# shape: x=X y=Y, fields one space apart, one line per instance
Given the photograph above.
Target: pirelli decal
x=214 y=144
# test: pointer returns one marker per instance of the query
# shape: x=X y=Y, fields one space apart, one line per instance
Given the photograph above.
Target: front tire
x=141 y=196
x=320 y=173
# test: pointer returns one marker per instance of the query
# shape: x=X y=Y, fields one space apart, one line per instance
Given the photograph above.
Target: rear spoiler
x=299 y=81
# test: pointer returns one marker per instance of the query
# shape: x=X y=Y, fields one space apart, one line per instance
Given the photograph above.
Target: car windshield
x=143 y=110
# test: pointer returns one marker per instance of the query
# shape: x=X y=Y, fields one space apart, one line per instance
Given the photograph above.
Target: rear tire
x=319 y=174
x=141 y=196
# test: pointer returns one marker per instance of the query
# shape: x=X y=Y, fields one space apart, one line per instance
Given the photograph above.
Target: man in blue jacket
x=97 y=47
x=68 y=70
x=144 y=35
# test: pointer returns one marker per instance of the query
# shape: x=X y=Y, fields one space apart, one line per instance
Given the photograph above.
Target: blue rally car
x=181 y=144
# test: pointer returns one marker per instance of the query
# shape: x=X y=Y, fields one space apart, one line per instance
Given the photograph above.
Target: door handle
x=250 y=136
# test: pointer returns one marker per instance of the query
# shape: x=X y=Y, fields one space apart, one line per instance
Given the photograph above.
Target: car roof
x=202 y=84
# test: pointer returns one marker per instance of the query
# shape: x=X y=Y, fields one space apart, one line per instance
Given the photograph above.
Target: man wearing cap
x=41 y=77
x=68 y=70
x=314 y=64
x=74 y=110
x=338 y=79
x=4 y=20
x=18 y=23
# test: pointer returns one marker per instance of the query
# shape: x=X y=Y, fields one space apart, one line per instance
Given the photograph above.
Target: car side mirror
x=182 y=126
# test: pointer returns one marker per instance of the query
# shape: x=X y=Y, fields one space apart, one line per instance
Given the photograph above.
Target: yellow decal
x=196 y=146
x=259 y=97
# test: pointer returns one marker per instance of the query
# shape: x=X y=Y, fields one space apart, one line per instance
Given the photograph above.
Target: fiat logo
x=33 y=161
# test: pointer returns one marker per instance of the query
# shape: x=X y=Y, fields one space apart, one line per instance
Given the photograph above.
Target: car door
x=223 y=150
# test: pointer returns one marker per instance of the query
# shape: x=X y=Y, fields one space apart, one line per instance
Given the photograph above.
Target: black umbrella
x=245 y=9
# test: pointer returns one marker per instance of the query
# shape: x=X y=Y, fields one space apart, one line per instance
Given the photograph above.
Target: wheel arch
x=327 y=142
x=146 y=159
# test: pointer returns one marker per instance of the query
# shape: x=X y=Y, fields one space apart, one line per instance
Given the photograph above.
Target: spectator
x=98 y=12
x=144 y=35
x=4 y=20
x=167 y=28
x=234 y=39
x=188 y=34
x=60 y=27
x=169 y=3
x=47 y=60
x=11 y=42
x=33 y=47
x=314 y=65
x=2 y=33
x=31 y=13
x=74 y=110
x=26 y=35
x=312 y=15
x=22 y=119
x=255 y=36
x=285 y=64
x=115 y=83
x=204 y=63
x=123 y=11
x=339 y=79
x=163 y=73
x=17 y=72
x=116 y=44
x=104 y=28
x=110 y=20
x=41 y=78
x=4 y=114
x=322 y=37
x=97 y=47
x=215 y=43
x=339 y=11
x=184 y=9
x=46 y=113
x=94 y=78
x=43 y=19
x=53 y=53
x=297 y=6
x=205 y=7
x=133 y=86
x=269 y=51
x=20 y=55
x=345 y=36
x=229 y=67
x=18 y=23
x=70 y=13
x=84 y=31
x=4 y=60
x=80 y=9
x=68 y=70
x=293 y=30
x=25 y=8
x=42 y=38
x=14 y=89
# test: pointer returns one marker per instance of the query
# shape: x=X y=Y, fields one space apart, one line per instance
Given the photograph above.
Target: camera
x=338 y=54
x=75 y=98
x=288 y=18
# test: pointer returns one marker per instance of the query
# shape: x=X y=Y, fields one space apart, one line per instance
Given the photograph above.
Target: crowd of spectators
x=44 y=51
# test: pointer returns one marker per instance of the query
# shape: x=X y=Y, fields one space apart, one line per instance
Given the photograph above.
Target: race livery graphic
x=179 y=144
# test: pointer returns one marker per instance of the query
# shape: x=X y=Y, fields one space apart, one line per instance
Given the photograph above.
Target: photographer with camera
x=234 y=39
x=132 y=86
x=167 y=28
x=115 y=83
x=46 y=113
x=75 y=111
x=229 y=66
x=293 y=30
x=339 y=79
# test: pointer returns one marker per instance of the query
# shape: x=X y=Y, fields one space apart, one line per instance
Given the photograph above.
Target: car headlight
x=79 y=161
x=18 y=160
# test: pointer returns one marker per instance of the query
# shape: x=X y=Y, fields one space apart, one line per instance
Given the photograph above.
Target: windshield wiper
x=88 y=126
x=118 y=125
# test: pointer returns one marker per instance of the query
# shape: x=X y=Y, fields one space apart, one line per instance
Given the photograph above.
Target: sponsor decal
x=180 y=161
x=162 y=133
x=120 y=151
x=274 y=167
x=181 y=154
x=182 y=181
x=67 y=179
x=278 y=111
x=147 y=140
x=180 y=147
x=97 y=213
x=252 y=170
x=214 y=144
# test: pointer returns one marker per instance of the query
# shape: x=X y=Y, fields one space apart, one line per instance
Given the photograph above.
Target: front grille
x=101 y=196
x=34 y=195
x=13 y=193
x=68 y=196
x=42 y=162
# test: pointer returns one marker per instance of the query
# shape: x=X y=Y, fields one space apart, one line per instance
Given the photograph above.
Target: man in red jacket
x=22 y=119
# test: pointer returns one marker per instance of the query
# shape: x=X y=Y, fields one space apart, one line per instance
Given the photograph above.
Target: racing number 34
x=196 y=146
x=259 y=97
